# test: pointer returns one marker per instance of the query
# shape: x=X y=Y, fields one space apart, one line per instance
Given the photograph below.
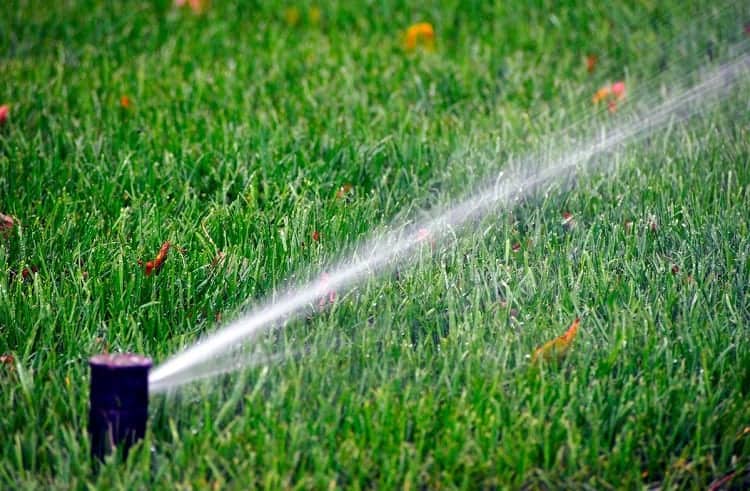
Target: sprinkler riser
x=118 y=398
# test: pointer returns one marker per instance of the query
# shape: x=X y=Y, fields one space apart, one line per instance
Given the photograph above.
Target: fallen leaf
x=721 y=482
x=6 y=225
x=421 y=34
x=4 y=110
x=558 y=347
x=618 y=89
x=601 y=94
x=197 y=6
x=568 y=221
x=315 y=236
x=591 y=63
x=125 y=102
x=653 y=223
x=611 y=94
x=220 y=256
x=675 y=269
x=156 y=265
x=291 y=16
x=516 y=247
x=7 y=359
x=27 y=274
x=344 y=191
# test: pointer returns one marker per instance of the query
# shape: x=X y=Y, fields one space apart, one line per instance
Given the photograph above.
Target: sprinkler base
x=118 y=402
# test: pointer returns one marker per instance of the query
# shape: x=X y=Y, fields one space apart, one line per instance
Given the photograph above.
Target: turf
x=245 y=123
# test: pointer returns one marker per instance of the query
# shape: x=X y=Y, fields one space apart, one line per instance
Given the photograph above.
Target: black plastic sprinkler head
x=119 y=402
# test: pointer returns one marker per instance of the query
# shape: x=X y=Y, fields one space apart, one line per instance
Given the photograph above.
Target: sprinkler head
x=119 y=402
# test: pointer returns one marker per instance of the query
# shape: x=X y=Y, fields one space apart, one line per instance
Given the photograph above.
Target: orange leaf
x=419 y=34
x=600 y=95
x=125 y=102
x=155 y=265
x=556 y=348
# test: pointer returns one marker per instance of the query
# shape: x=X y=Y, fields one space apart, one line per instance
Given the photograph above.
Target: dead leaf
x=558 y=347
x=125 y=102
x=591 y=63
x=568 y=222
x=220 y=256
x=156 y=265
x=344 y=191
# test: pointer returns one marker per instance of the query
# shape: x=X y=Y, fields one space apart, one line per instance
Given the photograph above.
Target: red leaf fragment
x=516 y=247
x=722 y=482
x=7 y=359
x=125 y=102
x=4 y=110
x=316 y=236
x=612 y=94
x=6 y=225
x=618 y=89
x=653 y=224
x=568 y=220
x=156 y=265
x=27 y=274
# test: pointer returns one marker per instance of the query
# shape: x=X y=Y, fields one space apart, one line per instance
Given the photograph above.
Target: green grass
x=242 y=130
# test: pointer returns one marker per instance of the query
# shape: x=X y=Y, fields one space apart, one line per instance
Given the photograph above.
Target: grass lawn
x=277 y=136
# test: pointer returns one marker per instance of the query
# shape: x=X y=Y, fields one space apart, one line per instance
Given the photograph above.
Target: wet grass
x=242 y=130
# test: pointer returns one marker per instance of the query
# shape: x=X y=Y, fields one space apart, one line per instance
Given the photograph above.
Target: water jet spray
x=118 y=402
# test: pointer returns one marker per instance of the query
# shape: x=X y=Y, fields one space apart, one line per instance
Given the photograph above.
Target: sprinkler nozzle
x=119 y=402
